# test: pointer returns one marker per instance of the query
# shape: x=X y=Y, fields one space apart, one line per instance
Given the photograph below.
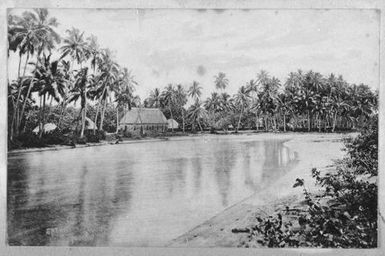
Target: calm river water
x=141 y=194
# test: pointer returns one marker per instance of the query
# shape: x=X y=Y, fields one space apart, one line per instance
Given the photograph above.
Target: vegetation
x=88 y=73
x=343 y=214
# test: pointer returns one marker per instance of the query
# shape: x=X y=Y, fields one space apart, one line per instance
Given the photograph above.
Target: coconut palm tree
x=212 y=104
x=75 y=46
x=79 y=91
x=181 y=100
x=195 y=91
x=221 y=81
x=169 y=98
x=107 y=80
x=242 y=100
x=124 y=89
x=155 y=100
x=38 y=36
x=51 y=82
x=196 y=113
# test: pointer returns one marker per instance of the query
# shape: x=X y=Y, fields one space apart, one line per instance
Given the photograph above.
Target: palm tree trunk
x=334 y=121
x=200 y=126
x=96 y=117
x=257 y=122
x=83 y=122
x=102 y=117
x=308 y=121
x=266 y=124
x=183 y=121
x=41 y=123
x=172 y=125
x=117 y=119
x=84 y=105
x=284 y=121
x=61 y=114
x=27 y=96
x=26 y=64
x=239 y=120
x=18 y=68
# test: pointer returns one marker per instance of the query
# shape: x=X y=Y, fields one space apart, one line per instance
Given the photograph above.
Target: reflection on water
x=142 y=194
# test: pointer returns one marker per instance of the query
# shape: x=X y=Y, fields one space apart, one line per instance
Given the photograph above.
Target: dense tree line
x=86 y=73
x=306 y=101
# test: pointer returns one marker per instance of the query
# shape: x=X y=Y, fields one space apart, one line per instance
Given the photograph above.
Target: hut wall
x=139 y=129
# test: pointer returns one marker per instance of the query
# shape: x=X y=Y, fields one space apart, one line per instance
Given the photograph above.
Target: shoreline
x=278 y=135
x=217 y=231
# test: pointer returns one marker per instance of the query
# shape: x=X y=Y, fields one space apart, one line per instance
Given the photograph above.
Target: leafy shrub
x=55 y=137
x=29 y=140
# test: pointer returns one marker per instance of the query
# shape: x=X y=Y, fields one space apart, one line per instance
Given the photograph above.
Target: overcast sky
x=179 y=46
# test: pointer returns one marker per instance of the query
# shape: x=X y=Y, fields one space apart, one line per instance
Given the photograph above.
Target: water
x=142 y=194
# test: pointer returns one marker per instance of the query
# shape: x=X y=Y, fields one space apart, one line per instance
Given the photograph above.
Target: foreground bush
x=343 y=215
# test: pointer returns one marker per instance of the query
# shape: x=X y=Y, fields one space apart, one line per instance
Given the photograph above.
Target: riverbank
x=261 y=134
x=314 y=151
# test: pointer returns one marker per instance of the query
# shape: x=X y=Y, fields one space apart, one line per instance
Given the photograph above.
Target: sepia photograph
x=192 y=128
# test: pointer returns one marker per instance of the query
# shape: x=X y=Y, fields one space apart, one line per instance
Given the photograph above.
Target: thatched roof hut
x=172 y=124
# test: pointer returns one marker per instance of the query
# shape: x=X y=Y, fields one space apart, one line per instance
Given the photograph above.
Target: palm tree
x=50 y=81
x=124 y=90
x=242 y=99
x=212 y=104
x=181 y=100
x=168 y=96
x=284 y=106
x=107 y=79
x=75 y=46
x=196 y=113
x=195 y=91
x=221 y=81
x=155 y=100
x=79 y=91
x=38 y=34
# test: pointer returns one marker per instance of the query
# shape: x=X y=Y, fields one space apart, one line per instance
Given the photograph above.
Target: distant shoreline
x=167 y=137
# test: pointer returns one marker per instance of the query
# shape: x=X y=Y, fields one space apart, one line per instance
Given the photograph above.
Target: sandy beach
x=314 y=151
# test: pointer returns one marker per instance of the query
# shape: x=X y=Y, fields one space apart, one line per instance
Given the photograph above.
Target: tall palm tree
x=242 y=100
x=221 y=81
x=79 y=91
x=124 y=90
x=195 y=91
x=50 y=81
x=107 y=79
x=169 y=99
x=181 y=100
x=196 y=113
x=43 y=38
x=77 y=48
x=155 y=100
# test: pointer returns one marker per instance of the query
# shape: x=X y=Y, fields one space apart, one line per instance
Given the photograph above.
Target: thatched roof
x=49 y=127
x=143 y=116
x=172 y=124
x=90 y=125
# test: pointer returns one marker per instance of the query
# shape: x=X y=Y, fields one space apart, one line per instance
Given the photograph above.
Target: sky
x=163 y=46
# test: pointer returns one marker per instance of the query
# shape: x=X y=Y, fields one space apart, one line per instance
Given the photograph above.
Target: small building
x=172 y=124
x=143 y=121
x=49 y=127
x=90 y=125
